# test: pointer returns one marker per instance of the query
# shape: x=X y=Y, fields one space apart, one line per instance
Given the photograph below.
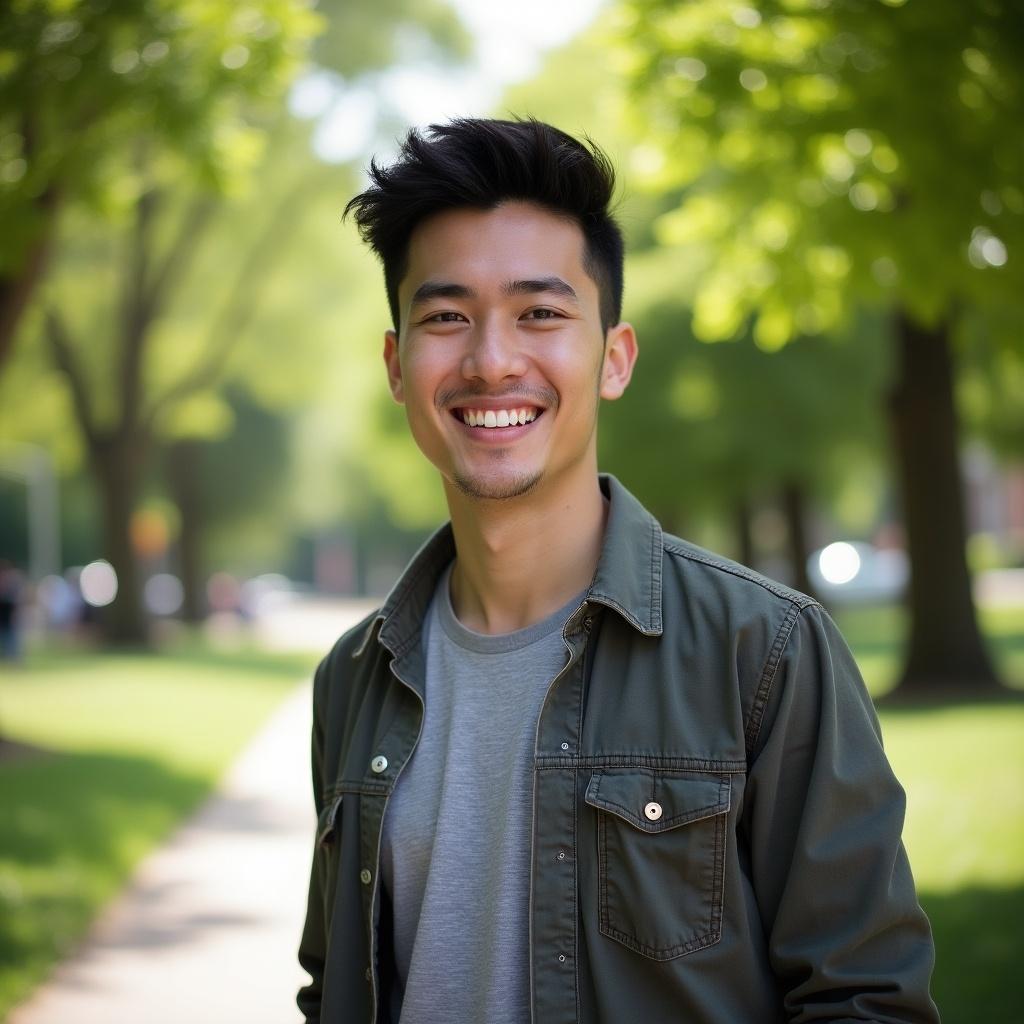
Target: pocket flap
x=326 y=820
x=654 y=801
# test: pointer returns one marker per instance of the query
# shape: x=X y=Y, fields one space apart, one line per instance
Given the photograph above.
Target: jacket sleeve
x=312 y=945
x=824 y=814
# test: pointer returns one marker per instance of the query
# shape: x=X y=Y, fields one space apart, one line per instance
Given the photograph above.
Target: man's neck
x=520 y=559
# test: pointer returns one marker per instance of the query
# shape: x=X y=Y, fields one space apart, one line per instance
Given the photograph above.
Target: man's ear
x=394 y=366
x=620 y=352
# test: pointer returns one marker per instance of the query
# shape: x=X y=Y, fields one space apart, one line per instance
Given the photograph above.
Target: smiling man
x=575 y=769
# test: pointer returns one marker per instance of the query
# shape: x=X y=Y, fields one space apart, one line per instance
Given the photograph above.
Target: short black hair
x=481 y=163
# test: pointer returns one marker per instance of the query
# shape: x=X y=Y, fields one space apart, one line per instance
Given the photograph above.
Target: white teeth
x=498 y=417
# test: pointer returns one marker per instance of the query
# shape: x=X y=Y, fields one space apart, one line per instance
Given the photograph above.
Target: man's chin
x=495 y=488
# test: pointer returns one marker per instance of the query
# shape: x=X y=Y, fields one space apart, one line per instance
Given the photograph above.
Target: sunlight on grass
x=131 y=744
x=962 y=769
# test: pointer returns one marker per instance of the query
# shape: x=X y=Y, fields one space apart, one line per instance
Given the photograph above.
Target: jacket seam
x=627 y=760
x=734 y=569
x=656 y=561
x=575 y=901
x=768 y=674
x=357 y=788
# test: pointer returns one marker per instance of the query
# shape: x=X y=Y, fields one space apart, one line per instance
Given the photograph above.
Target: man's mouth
x=490 y=418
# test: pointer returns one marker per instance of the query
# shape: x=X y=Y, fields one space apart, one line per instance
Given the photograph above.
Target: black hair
x=480 y=163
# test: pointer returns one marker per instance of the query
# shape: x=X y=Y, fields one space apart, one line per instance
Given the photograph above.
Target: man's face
x=501 y=357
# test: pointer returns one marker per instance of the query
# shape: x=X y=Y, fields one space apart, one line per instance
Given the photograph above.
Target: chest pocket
x=661 y=854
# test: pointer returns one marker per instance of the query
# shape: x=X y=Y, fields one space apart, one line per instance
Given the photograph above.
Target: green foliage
x=831 y=153
x=83 y=83
x=703 y=426
x=730 y=421
x=990 y=379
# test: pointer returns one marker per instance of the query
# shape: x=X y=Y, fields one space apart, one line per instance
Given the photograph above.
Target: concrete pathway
x=208 y=929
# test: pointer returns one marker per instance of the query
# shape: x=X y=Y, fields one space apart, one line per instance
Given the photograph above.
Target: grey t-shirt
x=458 y=826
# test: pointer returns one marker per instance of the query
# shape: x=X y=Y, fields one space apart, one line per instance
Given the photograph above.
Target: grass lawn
x=131 y=744
x=963 y=769
x=138 y=741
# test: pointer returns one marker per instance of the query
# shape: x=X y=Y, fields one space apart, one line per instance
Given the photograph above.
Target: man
x=575 y=769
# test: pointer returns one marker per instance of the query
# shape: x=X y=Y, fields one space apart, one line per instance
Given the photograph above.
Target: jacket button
x=653 y=811
x=365 y=876
x=368 y=974
x=379 y=763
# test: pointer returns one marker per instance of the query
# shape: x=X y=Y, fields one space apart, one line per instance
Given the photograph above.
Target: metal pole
x=33 y=465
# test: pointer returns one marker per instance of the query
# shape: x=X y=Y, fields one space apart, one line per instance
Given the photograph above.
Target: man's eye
x=448 y=317
x=542 y=314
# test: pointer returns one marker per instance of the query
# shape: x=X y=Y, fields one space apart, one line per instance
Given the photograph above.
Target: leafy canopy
x=833 y=151
x=82 y=80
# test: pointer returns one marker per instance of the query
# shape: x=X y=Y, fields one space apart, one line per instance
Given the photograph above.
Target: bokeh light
x=839 y=562
x=98 y=583
x=163 y=594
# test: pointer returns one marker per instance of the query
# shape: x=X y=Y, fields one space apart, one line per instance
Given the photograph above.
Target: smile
x=490 y=418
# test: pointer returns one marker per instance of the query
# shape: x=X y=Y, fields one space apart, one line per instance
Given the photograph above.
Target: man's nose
x=495 y=352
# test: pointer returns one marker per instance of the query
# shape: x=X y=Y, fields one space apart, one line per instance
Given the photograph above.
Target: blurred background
x=203 y=480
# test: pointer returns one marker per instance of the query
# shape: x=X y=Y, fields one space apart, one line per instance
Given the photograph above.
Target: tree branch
x=167 y=276
x=138 y=314
x=239 y=308
x=63 y=354
x=19 y=282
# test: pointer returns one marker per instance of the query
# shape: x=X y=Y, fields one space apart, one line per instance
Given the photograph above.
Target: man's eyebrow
x=534 y=286
x=431 y=290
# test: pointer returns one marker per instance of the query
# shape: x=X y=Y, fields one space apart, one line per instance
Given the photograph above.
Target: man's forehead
x=505 y=246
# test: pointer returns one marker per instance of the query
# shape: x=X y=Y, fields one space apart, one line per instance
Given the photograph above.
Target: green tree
x=830 y=154
x=79 y=79
x=739 y=424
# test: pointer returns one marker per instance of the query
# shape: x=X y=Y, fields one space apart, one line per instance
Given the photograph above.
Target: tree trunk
x=945 y=649
x=794 y=503
x=743 y=521
x=183 y=460
x=117 y=463
x=18 y=284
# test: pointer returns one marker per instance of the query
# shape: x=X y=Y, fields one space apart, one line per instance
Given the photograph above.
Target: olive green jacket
x=716 y=828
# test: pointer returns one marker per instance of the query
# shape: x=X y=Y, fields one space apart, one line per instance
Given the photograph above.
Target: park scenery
x=203 y=478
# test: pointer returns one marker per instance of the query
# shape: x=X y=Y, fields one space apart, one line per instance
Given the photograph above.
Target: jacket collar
x=628 y=576
x=627 y=579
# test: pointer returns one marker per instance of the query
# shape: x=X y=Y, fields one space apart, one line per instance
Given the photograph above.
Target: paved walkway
x=208 y=929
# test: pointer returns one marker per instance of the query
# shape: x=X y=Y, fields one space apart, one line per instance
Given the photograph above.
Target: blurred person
x=576 y=769
x=12 y=585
